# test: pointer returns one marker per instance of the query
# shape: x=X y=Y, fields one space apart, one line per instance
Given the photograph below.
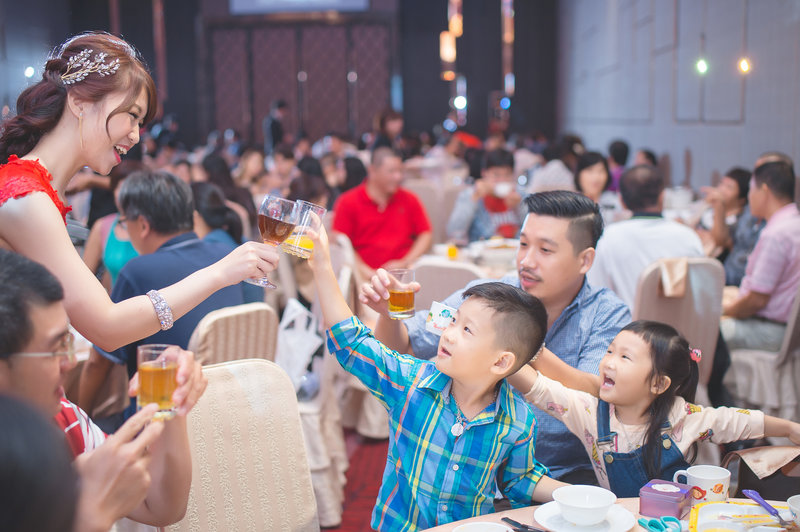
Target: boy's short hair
x=519 y=320
x=498 y=158
x=586 y=222
x=25 y=283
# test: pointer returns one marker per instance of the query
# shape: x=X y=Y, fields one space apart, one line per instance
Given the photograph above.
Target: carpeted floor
x=367 y=460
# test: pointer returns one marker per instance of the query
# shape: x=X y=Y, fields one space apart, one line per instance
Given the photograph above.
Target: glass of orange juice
x=158 y=369
x=401 y=297
x=309 y=215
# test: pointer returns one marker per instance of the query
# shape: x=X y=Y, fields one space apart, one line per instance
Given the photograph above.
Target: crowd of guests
x=173 y=235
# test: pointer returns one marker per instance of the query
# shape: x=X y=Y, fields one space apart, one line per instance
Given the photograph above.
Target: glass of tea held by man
x=158 y=371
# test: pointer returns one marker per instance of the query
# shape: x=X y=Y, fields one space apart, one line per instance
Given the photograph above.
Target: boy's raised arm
x=334 y=306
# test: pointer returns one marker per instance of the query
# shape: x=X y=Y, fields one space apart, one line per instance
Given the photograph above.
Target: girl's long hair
x=40 y=106
x=671 y=358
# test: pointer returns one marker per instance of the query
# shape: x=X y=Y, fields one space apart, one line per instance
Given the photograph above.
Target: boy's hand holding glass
x=309 y=216
x=391 y=293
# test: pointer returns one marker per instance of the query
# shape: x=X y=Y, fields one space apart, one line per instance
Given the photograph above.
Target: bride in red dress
x=87 y=110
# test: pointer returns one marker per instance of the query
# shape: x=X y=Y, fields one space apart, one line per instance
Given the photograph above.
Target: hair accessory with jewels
x=79 y=66
x=696 y=355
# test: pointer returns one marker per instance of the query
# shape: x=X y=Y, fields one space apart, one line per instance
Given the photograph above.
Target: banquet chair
x=242 y=331
x=249 y=464
x=439 y=279
x=695 y=315
x=767 y=380
x=431 y=198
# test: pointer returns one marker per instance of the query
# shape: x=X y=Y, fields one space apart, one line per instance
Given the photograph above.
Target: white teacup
x=503 y=189
x=794 y=506
x=708 y=483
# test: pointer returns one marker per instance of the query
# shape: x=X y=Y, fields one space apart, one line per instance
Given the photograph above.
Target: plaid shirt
x=579 y=336
x=432 y=477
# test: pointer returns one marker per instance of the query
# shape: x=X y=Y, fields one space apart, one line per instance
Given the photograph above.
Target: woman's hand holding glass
x=277 y=217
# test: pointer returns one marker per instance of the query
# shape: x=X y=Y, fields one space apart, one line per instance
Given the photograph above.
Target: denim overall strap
x=626 y=471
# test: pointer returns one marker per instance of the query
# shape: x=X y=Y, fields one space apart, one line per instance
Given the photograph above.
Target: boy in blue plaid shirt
x=458 y=433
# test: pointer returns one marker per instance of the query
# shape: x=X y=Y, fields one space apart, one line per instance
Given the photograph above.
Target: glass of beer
x=309 y=215
x=276 y=220
x=158 y=369
x=401 y=297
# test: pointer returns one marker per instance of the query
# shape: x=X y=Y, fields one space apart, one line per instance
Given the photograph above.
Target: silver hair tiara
x=79 y=66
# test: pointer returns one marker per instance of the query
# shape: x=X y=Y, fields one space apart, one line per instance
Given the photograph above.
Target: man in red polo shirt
x=387 y=225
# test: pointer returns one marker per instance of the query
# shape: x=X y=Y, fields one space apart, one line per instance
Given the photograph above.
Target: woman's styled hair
x=209 y=202
x=671 y=358
x=590 y=158
x=109 y=65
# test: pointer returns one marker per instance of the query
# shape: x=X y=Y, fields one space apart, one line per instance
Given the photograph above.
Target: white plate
x=618 y=520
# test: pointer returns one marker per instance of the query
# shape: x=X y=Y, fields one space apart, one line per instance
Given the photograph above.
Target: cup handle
x=679 y=473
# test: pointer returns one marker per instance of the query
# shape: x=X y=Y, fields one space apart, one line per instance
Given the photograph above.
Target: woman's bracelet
x=163 y=312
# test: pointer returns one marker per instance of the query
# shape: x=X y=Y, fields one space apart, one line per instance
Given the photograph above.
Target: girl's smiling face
x=626 y=373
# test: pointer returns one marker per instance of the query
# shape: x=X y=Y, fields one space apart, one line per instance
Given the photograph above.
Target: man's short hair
x=519 y=319
x=779 y=178
x=586 y=222
x=641 y=187
x=650 y=155
x=161 y=198
x=381 y=154
x=498 y=158
x=284 y=150
x=618 y=150
x=25 y=284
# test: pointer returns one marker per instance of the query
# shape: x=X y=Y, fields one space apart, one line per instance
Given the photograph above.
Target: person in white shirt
x=629 y=246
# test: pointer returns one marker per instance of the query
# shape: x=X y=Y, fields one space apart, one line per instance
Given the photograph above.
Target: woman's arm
x=775 y=427
x=33 y=227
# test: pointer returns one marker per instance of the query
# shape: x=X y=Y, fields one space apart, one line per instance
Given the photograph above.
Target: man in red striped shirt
x=143 y=471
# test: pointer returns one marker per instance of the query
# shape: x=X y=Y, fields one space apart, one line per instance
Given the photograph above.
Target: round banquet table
x=525 y=515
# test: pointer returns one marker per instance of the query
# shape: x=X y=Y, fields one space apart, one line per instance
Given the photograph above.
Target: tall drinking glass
x=158 y=369
x=309 y=217
x=276 y=220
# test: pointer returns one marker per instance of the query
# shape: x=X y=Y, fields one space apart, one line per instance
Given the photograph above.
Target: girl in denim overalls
x=639 y=422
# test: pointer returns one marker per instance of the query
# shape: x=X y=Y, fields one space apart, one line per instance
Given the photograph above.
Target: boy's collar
x=440 y=383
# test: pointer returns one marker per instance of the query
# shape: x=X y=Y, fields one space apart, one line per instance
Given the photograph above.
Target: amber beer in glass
x=309 y=216
x=158 y=370
x=276 y=220
x=401 y=298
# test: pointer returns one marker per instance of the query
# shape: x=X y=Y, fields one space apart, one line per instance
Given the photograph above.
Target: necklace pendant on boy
x=457 y=429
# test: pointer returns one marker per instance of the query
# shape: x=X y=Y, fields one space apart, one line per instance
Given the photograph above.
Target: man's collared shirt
x=580 y=337
x=774 y=265
x=432 y=477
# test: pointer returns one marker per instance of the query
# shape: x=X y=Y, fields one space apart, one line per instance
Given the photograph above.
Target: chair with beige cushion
x=438 y=278
x=243 y=331
x=767 y=380
x=249 y=465
x=695 y=314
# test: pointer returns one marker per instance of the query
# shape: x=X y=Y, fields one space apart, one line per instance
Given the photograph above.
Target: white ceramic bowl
x=584 y=505
x=482 y=526
x=794 y=506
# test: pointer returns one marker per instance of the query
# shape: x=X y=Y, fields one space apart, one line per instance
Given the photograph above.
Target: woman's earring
x=80 y=127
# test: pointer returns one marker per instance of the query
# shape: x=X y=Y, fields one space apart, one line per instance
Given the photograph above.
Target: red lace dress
x=20 y=177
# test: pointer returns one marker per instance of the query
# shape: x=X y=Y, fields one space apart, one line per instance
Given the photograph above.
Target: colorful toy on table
x=662 y=524
x=663 y=498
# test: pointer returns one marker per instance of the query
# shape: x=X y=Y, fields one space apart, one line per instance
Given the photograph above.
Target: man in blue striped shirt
x=458 y=433
x=557 y=246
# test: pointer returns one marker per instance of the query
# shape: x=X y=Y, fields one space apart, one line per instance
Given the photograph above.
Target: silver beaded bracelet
x=163 y=312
